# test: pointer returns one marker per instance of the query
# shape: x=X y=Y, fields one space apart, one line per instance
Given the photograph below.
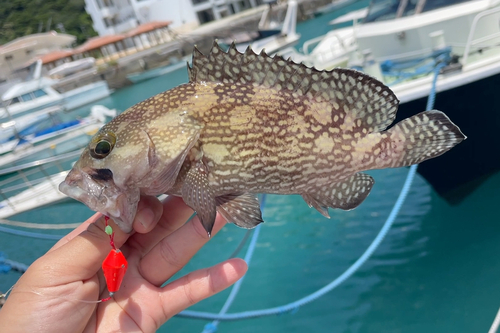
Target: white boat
x=29 y=96
x=39 y=92
x=37 y=195
x=399 y=30
x=354 y=16
x=334 y=5
x=35 y=182
x=398 y=33
x=280 y=41
x=33 y=185
x=331 y=50
x=155 y=72
x=11 y=128
x=72 y=67
x=71 y=134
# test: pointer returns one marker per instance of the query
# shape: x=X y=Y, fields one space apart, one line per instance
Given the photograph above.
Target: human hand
x=58 y=291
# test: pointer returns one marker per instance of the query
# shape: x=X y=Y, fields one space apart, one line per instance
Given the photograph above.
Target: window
x=15 y=100
x=435 y=4
x=26 y=97
x=382 y=10
x=39 y=93
x=206 y=16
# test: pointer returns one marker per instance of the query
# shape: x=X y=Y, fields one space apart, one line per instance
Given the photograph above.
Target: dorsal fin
x=348 y=91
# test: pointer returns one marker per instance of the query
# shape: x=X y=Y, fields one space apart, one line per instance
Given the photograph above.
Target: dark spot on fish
x=102 y=175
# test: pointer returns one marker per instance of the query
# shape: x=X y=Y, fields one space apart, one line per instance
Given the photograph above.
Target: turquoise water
x=437 y=270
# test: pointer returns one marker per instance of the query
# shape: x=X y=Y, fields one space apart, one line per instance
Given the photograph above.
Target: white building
x=111 y=16
x=19 y=52
x=118 y=16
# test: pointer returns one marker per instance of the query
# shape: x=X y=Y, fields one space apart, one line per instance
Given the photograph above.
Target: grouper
x=249 y=123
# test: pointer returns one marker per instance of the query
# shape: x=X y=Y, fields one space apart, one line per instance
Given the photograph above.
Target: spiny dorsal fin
x=360 y=96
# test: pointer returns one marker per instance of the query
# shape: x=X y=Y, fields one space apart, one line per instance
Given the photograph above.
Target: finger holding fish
x=174 y=251
x=175 y=213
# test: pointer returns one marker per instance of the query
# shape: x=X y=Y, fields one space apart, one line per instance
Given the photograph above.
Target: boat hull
x=87 y=94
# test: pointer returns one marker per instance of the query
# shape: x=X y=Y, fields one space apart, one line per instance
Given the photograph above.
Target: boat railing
x=77 y=80
x=471 y=42
x=337 y=48
x=49 y=172
x=311 y=43
x=40 y=163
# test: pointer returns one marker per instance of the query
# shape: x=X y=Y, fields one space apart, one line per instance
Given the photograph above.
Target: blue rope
x=399 y=69
x=17 y=266
x=6 y=265
x=291 y=307
x=432 y=94
x=294 y=306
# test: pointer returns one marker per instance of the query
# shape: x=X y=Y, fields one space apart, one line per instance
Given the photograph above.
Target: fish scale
x=271 y=115
x=247 y=124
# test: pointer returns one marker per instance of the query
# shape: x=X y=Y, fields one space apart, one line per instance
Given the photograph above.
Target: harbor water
x=436 y=271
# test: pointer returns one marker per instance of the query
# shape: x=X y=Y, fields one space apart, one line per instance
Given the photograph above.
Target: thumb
x=80 y=256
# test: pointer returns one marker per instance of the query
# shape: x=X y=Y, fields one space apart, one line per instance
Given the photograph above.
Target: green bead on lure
x=108 y=230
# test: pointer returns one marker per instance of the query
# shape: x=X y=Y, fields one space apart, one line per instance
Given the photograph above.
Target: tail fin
x=423 y=136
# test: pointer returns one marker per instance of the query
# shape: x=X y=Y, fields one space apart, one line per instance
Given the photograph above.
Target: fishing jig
x=114 y=266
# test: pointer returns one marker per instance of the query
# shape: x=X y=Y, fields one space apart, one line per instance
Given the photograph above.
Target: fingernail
x=145 y=217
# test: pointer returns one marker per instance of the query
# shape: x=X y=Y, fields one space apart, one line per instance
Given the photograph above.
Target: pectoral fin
x=346 y=194
x=198 y=195
x=240 y=209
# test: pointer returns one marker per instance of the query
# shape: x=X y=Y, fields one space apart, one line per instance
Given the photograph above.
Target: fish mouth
x=96 y=189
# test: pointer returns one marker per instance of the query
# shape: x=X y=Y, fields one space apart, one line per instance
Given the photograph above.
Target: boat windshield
x=383 y=10
x=27 y=97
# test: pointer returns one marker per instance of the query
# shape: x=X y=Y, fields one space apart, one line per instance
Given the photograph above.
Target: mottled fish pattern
x=248 y=124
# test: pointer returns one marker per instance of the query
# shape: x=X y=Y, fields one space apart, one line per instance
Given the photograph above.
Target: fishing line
x=39 y=293
x=4 y=295
x=66 y=298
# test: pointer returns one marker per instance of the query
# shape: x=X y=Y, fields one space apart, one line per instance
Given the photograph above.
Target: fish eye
x=101 y=146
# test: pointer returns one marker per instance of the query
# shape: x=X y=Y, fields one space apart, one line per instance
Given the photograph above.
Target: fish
x=249 y=123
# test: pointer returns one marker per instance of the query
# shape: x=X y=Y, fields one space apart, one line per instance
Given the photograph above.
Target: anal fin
x=240 y=209
x=346 y=194
x=197 y=194
x=319 y=205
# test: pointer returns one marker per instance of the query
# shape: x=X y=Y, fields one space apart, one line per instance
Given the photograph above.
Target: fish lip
x=102 y=196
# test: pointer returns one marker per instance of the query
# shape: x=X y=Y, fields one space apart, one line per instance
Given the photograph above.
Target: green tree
x=23 y=17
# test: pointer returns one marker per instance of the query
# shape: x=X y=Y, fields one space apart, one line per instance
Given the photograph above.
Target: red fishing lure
x=114 y=266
